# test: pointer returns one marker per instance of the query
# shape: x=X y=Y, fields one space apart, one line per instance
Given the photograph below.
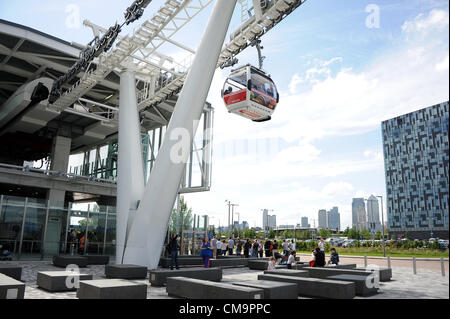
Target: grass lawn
x=393 y=252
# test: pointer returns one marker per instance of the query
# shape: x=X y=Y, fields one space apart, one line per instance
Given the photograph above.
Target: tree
x=271 y=234
x=183 y=217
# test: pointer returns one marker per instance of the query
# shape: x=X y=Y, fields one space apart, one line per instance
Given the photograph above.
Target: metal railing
x=69 y=176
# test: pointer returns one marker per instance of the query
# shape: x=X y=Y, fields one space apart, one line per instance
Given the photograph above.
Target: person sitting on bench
x=334 y=258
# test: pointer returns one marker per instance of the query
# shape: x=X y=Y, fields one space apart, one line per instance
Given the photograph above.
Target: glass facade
x=33 y=229
x=416 y=158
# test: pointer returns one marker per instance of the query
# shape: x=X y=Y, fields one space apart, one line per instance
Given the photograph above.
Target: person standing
x=214 y=246
x=255 y=249
x=173 y=250
x=267 y=245
x=285 y=248
x=238 y=247
x=247 y=247
x=230 y=246
x=293 y=246
x=322 y=245
x=206 y=252
x=224 y=247
x=260 y=249
x=219 y=248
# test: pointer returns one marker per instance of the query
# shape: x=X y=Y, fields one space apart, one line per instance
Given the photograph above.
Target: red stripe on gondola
x=235 y=97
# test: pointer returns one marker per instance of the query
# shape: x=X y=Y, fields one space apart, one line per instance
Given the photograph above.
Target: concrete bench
x=126 y=271
x=65 y=260
x=324 y=272
x=200 y=289
x=343 y=266
x=272 y=289
x=159 y=277
x=111 y=289
x=57 y=280
x=385 y=273
x=229 y=262
x=97 y=259
x=287 y=272
x=316 y=288
x=11 y=271
x=183 y=261
x=361 y=288
x=262 y=264
x=11 y=288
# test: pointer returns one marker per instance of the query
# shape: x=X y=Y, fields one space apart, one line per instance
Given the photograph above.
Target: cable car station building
x=39 y=186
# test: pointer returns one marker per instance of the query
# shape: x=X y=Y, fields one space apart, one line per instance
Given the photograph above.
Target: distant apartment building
x=373 y=214
x=334 y=219
x=323 y=219
x=416 y=162
x=269 y=221
x=305 y=223
x=359 y=220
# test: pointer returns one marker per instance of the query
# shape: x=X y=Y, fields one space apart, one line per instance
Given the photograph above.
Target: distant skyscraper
x=416 y=157
x=269 y=221
x=359 y=220
x=373 y=214
x=334 y=219
x=244 y=225
x=305 y=222
x=323 y=219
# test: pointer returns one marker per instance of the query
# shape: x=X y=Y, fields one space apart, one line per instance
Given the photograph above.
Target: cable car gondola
x=251 y=93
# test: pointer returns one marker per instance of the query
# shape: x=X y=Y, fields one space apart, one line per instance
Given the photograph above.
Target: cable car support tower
x=143 y=209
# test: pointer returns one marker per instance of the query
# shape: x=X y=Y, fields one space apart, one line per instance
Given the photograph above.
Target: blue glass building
x=416 y=156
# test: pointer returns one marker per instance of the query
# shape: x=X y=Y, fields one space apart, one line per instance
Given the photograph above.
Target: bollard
x=414 y=265
x=365 y=260
x=389 y=261
x=442 y=267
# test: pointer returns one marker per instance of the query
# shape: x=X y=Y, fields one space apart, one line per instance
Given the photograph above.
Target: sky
x=342 y=67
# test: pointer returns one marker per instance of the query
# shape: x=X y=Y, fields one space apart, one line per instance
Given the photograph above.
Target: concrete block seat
x=343 y=266
x=55 y=281
x=11 y=288
x=183 y=261
x=362 y=288
x=324 y=272
x=385 y=273
x=126 y=271
x=229 y=262
x=287 y=272
x=257 y=264
x=201 y=289
x=316 y=288
x=111 y=289
x=11 y=271
x=273 y=289
x=97 y=259
x=65 y=260
x=158 y=277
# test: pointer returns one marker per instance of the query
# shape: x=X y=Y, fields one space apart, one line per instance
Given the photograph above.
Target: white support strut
x=130 y=167
x=146 y=235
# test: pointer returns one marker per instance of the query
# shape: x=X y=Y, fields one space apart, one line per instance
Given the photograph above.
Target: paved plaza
x=426 y=284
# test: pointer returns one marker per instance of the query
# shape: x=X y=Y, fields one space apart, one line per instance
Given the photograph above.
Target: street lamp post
x=382 y=226
x=232 y=219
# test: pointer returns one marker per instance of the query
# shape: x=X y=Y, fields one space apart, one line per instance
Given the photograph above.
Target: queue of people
x=256 y=249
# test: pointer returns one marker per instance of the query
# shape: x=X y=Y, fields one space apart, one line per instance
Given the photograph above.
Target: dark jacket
x=334 y=258
x=173 y=244
x=320 y=259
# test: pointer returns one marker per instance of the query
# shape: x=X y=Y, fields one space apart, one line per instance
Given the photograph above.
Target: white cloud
x=436 y=19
